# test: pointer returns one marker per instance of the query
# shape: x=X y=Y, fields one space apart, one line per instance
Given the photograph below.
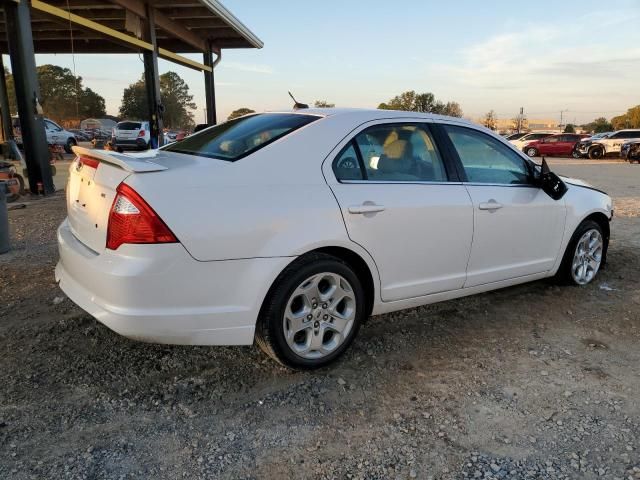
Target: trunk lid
x=94 y=176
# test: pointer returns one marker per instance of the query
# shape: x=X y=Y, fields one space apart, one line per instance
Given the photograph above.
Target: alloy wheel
x=319 y=315
x=587 y=257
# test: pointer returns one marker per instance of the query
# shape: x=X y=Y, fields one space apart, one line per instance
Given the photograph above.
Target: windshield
x=240 y=137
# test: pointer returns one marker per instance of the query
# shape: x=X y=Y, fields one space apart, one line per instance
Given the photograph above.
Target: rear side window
x=240 y=137
x=129 y=126
x=391 y=153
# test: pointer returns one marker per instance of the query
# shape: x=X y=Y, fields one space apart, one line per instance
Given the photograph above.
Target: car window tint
x=551 y=139
x=346 y=166
x=240 y=137
x=486 y=159
x=400 y=153
x=128 y=126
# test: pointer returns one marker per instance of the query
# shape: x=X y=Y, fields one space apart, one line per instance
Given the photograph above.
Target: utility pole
x=561 y=114
x=520 y=117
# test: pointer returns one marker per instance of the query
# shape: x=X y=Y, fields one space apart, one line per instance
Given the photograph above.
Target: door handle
x=366 y=208
x=490 y=205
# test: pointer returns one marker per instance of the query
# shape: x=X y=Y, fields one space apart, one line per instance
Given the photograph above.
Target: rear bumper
x=160 y=294
x=131 y=143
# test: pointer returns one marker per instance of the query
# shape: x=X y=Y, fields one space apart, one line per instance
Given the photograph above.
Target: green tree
x=323 y=104
x=421 y=102
x=62 y=96
x=490 y=120
x=240 y=112
x=569 y=128
x=174 y=93
x=599 y=125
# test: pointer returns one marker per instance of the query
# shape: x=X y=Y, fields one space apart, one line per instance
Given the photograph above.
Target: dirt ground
x=534 y=381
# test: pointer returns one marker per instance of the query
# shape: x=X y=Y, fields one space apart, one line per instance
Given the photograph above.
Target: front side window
x=396 y=153
x=240 y=137
x=485 y=159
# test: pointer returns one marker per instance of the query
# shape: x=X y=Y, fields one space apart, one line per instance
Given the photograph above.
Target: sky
x=546 y=56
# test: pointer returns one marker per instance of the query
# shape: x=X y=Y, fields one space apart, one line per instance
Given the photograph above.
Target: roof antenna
x=297 y=105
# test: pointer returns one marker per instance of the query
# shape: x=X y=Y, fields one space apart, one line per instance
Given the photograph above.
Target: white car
x=130 y=134
x=56 y=135
x=291 y=228
x=597 y=148
x=520 y=143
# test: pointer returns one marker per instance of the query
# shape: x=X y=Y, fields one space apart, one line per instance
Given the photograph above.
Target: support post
x=23 y=66
x=210 y=88
x=5 y=114
x=152 y=81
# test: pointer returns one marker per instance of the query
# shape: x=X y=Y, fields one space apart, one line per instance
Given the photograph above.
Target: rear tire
x=312 y=312
x=576 y=154
x=584 y=256
x=596 y=153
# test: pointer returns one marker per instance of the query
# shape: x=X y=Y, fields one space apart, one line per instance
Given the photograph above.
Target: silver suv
x=131 y=134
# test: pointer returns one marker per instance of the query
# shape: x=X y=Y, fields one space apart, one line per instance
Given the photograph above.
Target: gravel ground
x=530 y=382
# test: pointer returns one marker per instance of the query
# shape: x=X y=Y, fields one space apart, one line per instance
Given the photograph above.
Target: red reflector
x=132 y=220
x=141 y=134
x=89 y=162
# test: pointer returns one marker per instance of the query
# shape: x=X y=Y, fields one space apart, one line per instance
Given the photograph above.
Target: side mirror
x=549 y=182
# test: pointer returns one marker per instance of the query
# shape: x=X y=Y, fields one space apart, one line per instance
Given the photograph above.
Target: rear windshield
x=240 y=137
x=128 y=126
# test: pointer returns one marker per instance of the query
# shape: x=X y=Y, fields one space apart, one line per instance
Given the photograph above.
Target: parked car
x=601 y=147
x=630 y=151
x=561 y=145
x=56 y=135
x=80 y=135
x=293 y=227
x=515 y=136
x=529 y=137
x=131 y=134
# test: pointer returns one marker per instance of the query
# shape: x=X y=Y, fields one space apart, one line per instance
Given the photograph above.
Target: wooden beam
x=113 y=34
x=165 y=23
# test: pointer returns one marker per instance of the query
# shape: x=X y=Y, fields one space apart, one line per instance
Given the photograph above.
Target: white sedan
x=289 y=229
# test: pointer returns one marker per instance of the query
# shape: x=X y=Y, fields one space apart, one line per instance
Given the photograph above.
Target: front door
x=517 y=227
x=398 y=203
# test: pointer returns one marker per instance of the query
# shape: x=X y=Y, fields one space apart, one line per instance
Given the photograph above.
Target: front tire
x=596 y=153
x=532 y=152
x=70 y=143
x=312 y=312
x=584 y=256
x=576 y=154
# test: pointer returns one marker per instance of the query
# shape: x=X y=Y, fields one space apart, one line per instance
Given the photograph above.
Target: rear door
x=128 y=130
x=517 y=227
x=401 y=202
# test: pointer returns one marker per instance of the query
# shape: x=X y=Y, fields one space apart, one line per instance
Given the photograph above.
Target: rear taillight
x=142 y=133
x=132 y=220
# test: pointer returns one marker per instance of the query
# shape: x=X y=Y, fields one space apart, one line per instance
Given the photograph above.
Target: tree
x=62 y=96
x=631 y=119
x=174 y=93
x=490 y=120
x=599 y=125
x=421 y=102
x=323 y=104
x=240 y=112
x=569 y=128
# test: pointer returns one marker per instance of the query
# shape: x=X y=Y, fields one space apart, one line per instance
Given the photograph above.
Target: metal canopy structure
x=155 y=28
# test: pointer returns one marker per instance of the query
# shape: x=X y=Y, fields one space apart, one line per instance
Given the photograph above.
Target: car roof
x=372 y=113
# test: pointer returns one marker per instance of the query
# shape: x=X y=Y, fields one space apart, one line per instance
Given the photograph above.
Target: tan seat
x=396 y=161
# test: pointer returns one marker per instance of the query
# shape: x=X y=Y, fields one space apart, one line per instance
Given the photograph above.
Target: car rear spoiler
x=120 y=160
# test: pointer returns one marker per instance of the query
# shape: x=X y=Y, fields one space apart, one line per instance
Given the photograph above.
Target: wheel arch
x=602 y=220
x=355 y=260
